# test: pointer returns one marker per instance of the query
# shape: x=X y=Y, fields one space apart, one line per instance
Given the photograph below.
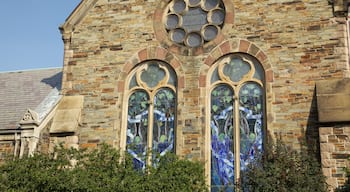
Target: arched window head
x=237 y=118
x=151 y=112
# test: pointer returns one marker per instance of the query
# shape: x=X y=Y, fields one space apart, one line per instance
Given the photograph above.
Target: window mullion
x=150 y=131
x=236 y=139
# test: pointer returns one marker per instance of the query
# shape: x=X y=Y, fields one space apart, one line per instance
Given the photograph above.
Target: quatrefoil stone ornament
x=152 y=75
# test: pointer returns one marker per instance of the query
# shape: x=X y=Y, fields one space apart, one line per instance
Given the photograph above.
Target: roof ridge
x=28 y=70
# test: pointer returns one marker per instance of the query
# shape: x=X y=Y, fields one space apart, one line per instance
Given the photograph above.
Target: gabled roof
x=77 y=15
x=22 y=90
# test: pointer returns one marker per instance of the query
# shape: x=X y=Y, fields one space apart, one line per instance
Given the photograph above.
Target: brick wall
x=6 y=150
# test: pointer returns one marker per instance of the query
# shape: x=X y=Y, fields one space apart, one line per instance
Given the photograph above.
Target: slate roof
x=20 y=90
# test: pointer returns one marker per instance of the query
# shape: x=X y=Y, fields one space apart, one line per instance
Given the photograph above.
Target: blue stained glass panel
x=153 y=75
x=222 y=156
x=163 y=122
x=133 y=82
x=251 y=122
x=236 y=69
x=137 y=129
x=194 y=19
x=259 y=72
x=215 y=76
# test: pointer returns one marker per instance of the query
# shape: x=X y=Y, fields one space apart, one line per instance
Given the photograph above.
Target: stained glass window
x=237 y=118
x=193 y=23
x=163 y=123
x=138 y=127
x=222 y=153
x=151 y=113
x=251 y=122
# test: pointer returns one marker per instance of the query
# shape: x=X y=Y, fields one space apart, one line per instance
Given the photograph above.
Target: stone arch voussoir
x=242 y=46
x=154 y=53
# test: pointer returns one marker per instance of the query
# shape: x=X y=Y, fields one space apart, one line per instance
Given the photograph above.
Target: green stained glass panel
x=164 y=121
x=138 y=102
x=251 y=122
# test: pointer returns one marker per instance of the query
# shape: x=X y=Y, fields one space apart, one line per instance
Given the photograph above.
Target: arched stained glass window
x=222 y=136
x=151 y=112
x=237 y=118
x=138 y=127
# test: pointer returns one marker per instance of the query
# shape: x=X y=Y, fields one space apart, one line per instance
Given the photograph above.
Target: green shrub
x=98 y=170
x=174 y=174
x=278 y=170
x=281 y=169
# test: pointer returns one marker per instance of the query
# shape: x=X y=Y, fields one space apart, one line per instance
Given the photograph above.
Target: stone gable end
x=292 y=44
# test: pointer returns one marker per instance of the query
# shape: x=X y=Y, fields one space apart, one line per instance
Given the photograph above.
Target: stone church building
x=210 y=80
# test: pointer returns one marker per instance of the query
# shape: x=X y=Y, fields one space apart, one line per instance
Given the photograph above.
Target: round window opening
x=193 y=23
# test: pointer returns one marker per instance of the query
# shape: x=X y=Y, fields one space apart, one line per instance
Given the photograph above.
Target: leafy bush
x=98 y=170
x=281 y=169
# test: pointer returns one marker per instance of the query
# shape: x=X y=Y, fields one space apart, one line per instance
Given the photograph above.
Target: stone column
x=28 y=124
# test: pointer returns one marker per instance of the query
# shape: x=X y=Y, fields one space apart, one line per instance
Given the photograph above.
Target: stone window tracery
x=193 y=23
x=236 y=118
x=151 y=112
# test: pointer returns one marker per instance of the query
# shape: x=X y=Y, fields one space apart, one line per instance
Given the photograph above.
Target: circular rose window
x=193 y=23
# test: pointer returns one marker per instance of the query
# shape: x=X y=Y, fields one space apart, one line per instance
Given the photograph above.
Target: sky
x=29 y=34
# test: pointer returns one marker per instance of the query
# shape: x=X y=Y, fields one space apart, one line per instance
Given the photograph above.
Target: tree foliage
x=98 y=170
x=282 y=169
x=279 y=169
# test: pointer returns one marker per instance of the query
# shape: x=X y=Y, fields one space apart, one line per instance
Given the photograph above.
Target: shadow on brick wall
x=312 y=128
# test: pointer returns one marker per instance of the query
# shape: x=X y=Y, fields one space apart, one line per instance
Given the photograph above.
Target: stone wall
x=335 y=145
x=333 y=101
x=304 y=43
x=301 y=42
x=297 y=43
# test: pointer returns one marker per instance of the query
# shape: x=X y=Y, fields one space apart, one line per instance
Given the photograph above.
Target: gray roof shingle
x=20 y=90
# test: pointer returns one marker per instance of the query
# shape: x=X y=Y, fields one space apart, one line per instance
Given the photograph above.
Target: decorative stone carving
x=192 y=23
x=30 y=117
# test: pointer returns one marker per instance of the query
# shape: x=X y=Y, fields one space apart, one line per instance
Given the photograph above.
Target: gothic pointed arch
x=151 y=85
x=236 y=122
x=152 y=53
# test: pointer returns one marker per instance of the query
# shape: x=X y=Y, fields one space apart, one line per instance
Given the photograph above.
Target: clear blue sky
x=29 y=35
